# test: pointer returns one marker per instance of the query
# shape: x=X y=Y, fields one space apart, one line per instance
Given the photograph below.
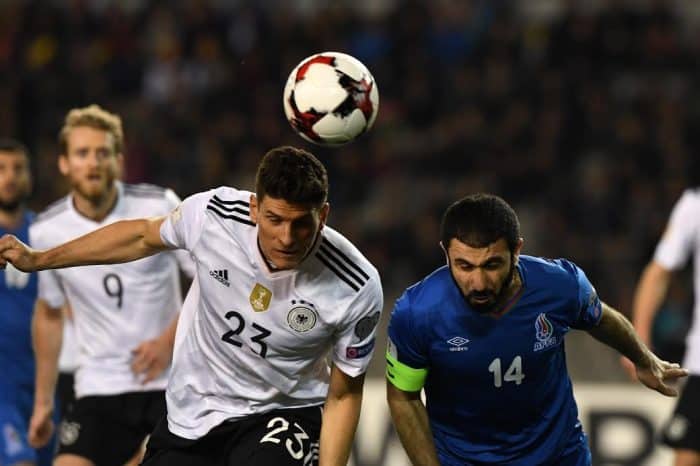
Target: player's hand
x=151 y=358
x=40 y=426
x=659 y=373
x=16 y=252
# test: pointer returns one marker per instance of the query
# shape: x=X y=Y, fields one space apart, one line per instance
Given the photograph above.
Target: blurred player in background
x=484 y=335
x=278 y=295
x=680 y=241
x=17 y=295
x=125 y=315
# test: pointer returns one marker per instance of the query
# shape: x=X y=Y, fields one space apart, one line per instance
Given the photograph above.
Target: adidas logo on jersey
x=221 y=275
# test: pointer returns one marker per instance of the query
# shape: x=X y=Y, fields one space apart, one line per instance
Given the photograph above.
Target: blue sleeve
x=405 y=342
x=587 y=308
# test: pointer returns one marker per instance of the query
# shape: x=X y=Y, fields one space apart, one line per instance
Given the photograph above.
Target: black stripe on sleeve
x=229 y=217
x=216 y=202
x=222 y=201
x=340 y=264
x=347 y=260
x=328 y=264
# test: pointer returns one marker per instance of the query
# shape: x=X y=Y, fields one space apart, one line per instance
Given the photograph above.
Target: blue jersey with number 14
x=497 y=389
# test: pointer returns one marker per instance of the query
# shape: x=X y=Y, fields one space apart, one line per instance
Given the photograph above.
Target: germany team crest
x=301 y=318
x=260 y=298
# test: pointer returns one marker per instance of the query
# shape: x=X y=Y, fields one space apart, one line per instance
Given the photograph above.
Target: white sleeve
x=172 y=200
x=183 y=226
x=354 y=341
x=184 y=259
x=50 y=289
x=185 y=262
x=678 y=241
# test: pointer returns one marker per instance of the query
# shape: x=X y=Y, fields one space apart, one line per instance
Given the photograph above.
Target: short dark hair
x=13 y=145
x=478 y=220
x=294 y=175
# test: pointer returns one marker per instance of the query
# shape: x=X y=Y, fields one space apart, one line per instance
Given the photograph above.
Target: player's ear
x=444 y=249
x=63 y=164
x=120 y=165
x=518 y=248
x=253 y=208
x=323 y=214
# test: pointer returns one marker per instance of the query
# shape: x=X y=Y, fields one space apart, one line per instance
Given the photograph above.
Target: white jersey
x=68 y=359
x=115 y=307
x=251 y=340
x=681 y=240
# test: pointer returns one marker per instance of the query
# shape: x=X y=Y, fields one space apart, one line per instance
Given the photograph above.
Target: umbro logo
x=221 y=275
x=458 y=343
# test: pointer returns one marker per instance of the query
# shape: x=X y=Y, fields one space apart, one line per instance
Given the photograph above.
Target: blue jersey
x=18 y=292
x=497 y=389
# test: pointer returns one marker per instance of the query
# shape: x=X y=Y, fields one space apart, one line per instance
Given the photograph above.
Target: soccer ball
x=330 y=98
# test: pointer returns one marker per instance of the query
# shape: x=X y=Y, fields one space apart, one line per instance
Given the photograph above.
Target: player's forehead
x=84 y=137
x=284 y=209
x=459 y=250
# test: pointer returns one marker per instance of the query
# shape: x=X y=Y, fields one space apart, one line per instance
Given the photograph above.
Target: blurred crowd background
x=585 y=115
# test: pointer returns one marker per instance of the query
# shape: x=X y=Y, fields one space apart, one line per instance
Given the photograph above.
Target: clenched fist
x=17 y=253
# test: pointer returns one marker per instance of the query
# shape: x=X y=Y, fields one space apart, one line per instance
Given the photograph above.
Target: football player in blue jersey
x=484 y=337
x=17 y=294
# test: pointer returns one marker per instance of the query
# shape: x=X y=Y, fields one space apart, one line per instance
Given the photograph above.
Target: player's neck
x=11 y=219
x=95 y=209
x=510 y=297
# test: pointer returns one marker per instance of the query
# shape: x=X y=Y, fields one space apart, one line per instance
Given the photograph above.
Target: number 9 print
x=113 y=287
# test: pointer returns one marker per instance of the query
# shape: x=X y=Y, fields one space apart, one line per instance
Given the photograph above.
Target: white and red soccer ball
x=330 y=98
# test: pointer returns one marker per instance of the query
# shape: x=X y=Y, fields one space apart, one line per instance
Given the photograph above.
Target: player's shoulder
x=144 y=199
x=144 y=190
x=228 y=195
x=430 y=291
x=339 y=255
x=228 y=205
x=548 y=273
x=690 y=198
x=52 y=213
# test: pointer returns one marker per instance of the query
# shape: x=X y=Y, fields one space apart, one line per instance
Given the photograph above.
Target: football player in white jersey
x=277 y=331
x=124 y=315
x=680 y=241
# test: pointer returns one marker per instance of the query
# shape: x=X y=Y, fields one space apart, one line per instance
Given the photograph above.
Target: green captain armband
x=403 y=377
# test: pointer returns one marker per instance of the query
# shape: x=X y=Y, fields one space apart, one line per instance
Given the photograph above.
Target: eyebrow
x=273 y=215
x=488 y=261
x=88 y=147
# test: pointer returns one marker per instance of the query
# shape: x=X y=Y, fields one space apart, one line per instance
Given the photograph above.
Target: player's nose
x=93 y=159
x=286 y=236
x=478 y=281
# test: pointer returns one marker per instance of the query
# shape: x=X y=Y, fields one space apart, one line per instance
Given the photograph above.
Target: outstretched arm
x=122 y=241
x=411 y=420
x=617 y=332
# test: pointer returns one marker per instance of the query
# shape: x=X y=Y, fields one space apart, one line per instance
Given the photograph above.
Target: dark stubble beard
x=500 y=297
x=11 y=207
